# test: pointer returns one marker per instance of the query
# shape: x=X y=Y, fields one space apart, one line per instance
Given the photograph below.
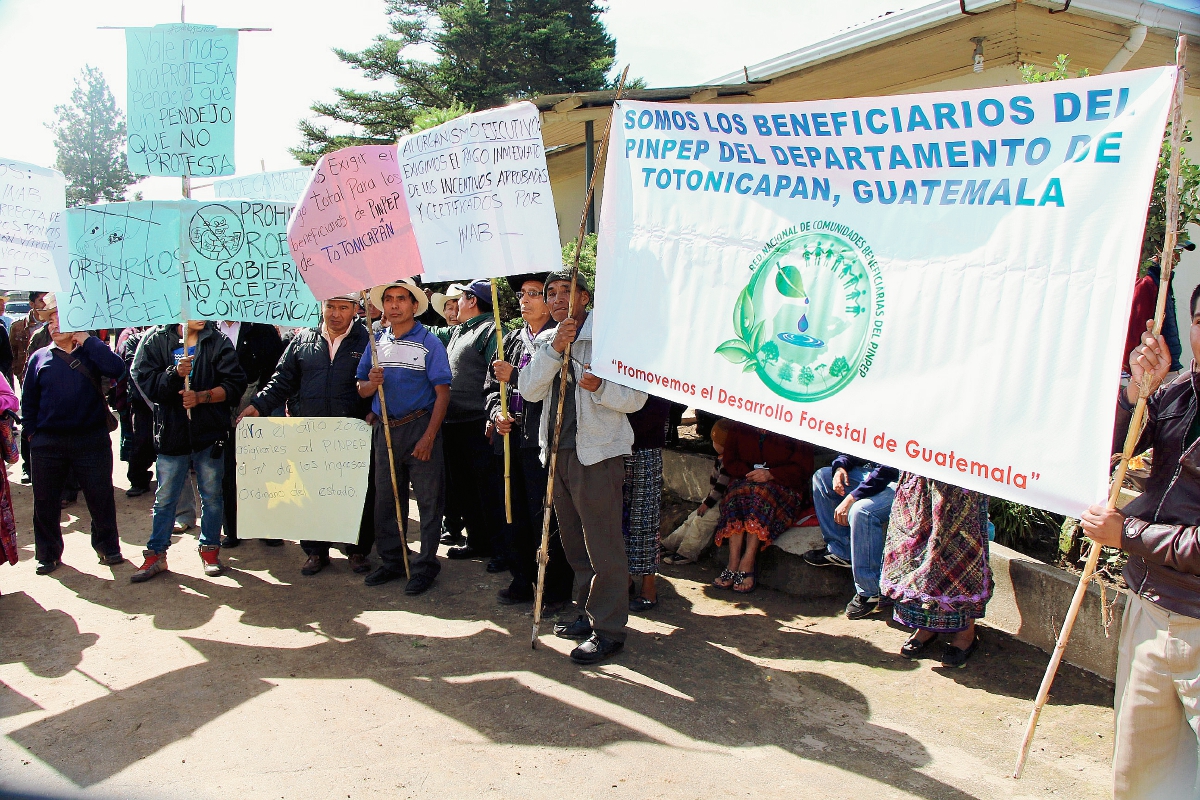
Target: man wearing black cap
x=470 y=469
x=523 y=537
x=590 y=470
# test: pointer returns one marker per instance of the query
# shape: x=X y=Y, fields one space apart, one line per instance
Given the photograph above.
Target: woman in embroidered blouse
x=772 y=475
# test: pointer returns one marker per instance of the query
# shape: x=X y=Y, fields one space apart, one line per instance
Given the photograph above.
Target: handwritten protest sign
x=33 y=236
x=352 y=229
x=302 y=477
x=928 y=281
x=151 y=263
x=467 y=199
x=238 y=265
x=285 y=185
x=479 y=195
x=182 y=84
x=124 y=266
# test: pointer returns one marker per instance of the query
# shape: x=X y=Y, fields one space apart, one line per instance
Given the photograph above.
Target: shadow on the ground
x=709 y=683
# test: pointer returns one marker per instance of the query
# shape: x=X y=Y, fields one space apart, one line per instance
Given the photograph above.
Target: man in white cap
x=415 y=376
x=315 y=377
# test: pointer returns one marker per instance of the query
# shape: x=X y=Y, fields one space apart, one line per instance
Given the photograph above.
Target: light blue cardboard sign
x=182 y=86
x=152 y=263
x=123 y=267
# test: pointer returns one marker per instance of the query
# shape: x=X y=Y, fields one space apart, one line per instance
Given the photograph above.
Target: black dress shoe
x=496 y=564
x=448 y=538
x=229 y=541
x=111 y=559
x=596 y=649
x=273 y=542
x=382 y=575
x=136 y=491
x=511 y=597
x=579 y=629
x=464 y=551
x=418 y=585
x=46 y=567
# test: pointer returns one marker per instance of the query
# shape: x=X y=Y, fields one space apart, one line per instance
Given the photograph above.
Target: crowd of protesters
x=432 y=393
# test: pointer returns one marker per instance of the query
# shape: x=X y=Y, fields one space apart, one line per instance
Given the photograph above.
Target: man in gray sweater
x=589 y=472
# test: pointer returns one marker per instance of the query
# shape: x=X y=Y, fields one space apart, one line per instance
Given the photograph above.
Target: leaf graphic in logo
x=759 y=338
x=751 y=365
x=743 y=315
x=789 y=282
x=735 y=350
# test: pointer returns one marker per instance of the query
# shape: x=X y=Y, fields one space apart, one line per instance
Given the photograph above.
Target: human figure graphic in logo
x=216 y=232
x=805 y=320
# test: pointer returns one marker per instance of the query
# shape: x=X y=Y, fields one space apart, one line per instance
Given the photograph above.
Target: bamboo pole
x=548 y=505
x=503 y=407
x=1139 y=411
x=387 y=438
x=187 y=324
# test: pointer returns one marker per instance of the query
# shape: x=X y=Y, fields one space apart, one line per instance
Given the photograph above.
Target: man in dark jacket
x=67 y=422
x=316 y=378
x=258 y=347
x=1158 y=663
x=191 y=427
x=528 y=477
x=137 y=422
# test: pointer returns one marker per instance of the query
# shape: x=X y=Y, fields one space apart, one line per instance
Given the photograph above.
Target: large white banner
x=33 y=226
x=939 y=282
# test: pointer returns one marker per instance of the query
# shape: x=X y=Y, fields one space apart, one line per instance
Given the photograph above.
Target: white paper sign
x=302 y=477
x=938 y=282
x=33 y=226
x=479 y=195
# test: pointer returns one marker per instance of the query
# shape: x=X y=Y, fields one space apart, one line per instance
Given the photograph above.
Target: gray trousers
x=587 y=501
x=428 y=482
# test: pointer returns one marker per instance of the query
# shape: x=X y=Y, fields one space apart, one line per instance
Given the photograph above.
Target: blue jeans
x=860 y=543
x=172 y=473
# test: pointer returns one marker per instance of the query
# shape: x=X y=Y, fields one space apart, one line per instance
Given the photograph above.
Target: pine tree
x=489 y=52
x=89 y=134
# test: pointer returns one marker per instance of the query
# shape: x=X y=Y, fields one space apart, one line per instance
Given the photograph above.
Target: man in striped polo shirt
x=415 y=375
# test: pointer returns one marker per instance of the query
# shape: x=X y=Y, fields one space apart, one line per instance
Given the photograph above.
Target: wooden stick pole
x=1139 y=411
x=548 y=506
x=387 y=438
x=187 y=193
x=503 y=406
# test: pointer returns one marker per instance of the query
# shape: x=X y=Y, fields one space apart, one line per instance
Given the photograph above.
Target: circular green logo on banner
x=811 y=317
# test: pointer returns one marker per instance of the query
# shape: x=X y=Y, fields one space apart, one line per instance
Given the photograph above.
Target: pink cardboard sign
x=352 y=229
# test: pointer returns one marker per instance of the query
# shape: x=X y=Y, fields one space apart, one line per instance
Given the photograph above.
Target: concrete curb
x=1031 y=598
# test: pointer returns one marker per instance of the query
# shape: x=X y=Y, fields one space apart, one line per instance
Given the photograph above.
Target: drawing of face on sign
x=110 y=238
x=216 y=232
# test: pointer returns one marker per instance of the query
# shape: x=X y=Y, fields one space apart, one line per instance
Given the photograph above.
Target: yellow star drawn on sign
x=286 y=492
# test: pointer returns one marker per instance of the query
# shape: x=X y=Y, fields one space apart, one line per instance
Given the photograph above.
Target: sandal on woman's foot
x=914 y=646
x=740 y=582
x=728 y=576
x=956 y=657
x=675 y=560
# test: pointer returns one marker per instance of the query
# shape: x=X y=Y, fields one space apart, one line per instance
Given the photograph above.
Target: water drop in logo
x=804 y=322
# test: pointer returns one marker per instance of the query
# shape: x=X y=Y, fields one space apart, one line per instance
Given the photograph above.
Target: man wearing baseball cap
x=415 y=376
x=315 y=377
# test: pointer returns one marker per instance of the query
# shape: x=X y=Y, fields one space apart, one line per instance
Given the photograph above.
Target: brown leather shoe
x=314 y=565
x=358 y=563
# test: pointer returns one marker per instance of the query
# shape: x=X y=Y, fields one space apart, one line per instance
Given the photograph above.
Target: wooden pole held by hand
x=548 y=505
x=503 y=406
x=1139 y=411
x=387 y=438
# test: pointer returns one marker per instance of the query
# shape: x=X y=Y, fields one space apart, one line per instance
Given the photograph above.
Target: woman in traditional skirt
x=935 y=565
x=642 y=507
x=771 y=476
x=8 y=523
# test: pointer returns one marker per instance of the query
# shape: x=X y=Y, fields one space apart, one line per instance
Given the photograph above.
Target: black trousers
x=524 y=536
x=137 y=443
x=90 y=458
x=366 y=526
x=471 y=471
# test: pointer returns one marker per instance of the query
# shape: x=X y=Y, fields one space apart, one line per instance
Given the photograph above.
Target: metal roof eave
x=605 y=97
x=1162 y=19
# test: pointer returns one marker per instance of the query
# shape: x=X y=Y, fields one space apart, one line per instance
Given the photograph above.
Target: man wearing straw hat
x=1158 y=662
x=415 y=376
x=590 y=469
